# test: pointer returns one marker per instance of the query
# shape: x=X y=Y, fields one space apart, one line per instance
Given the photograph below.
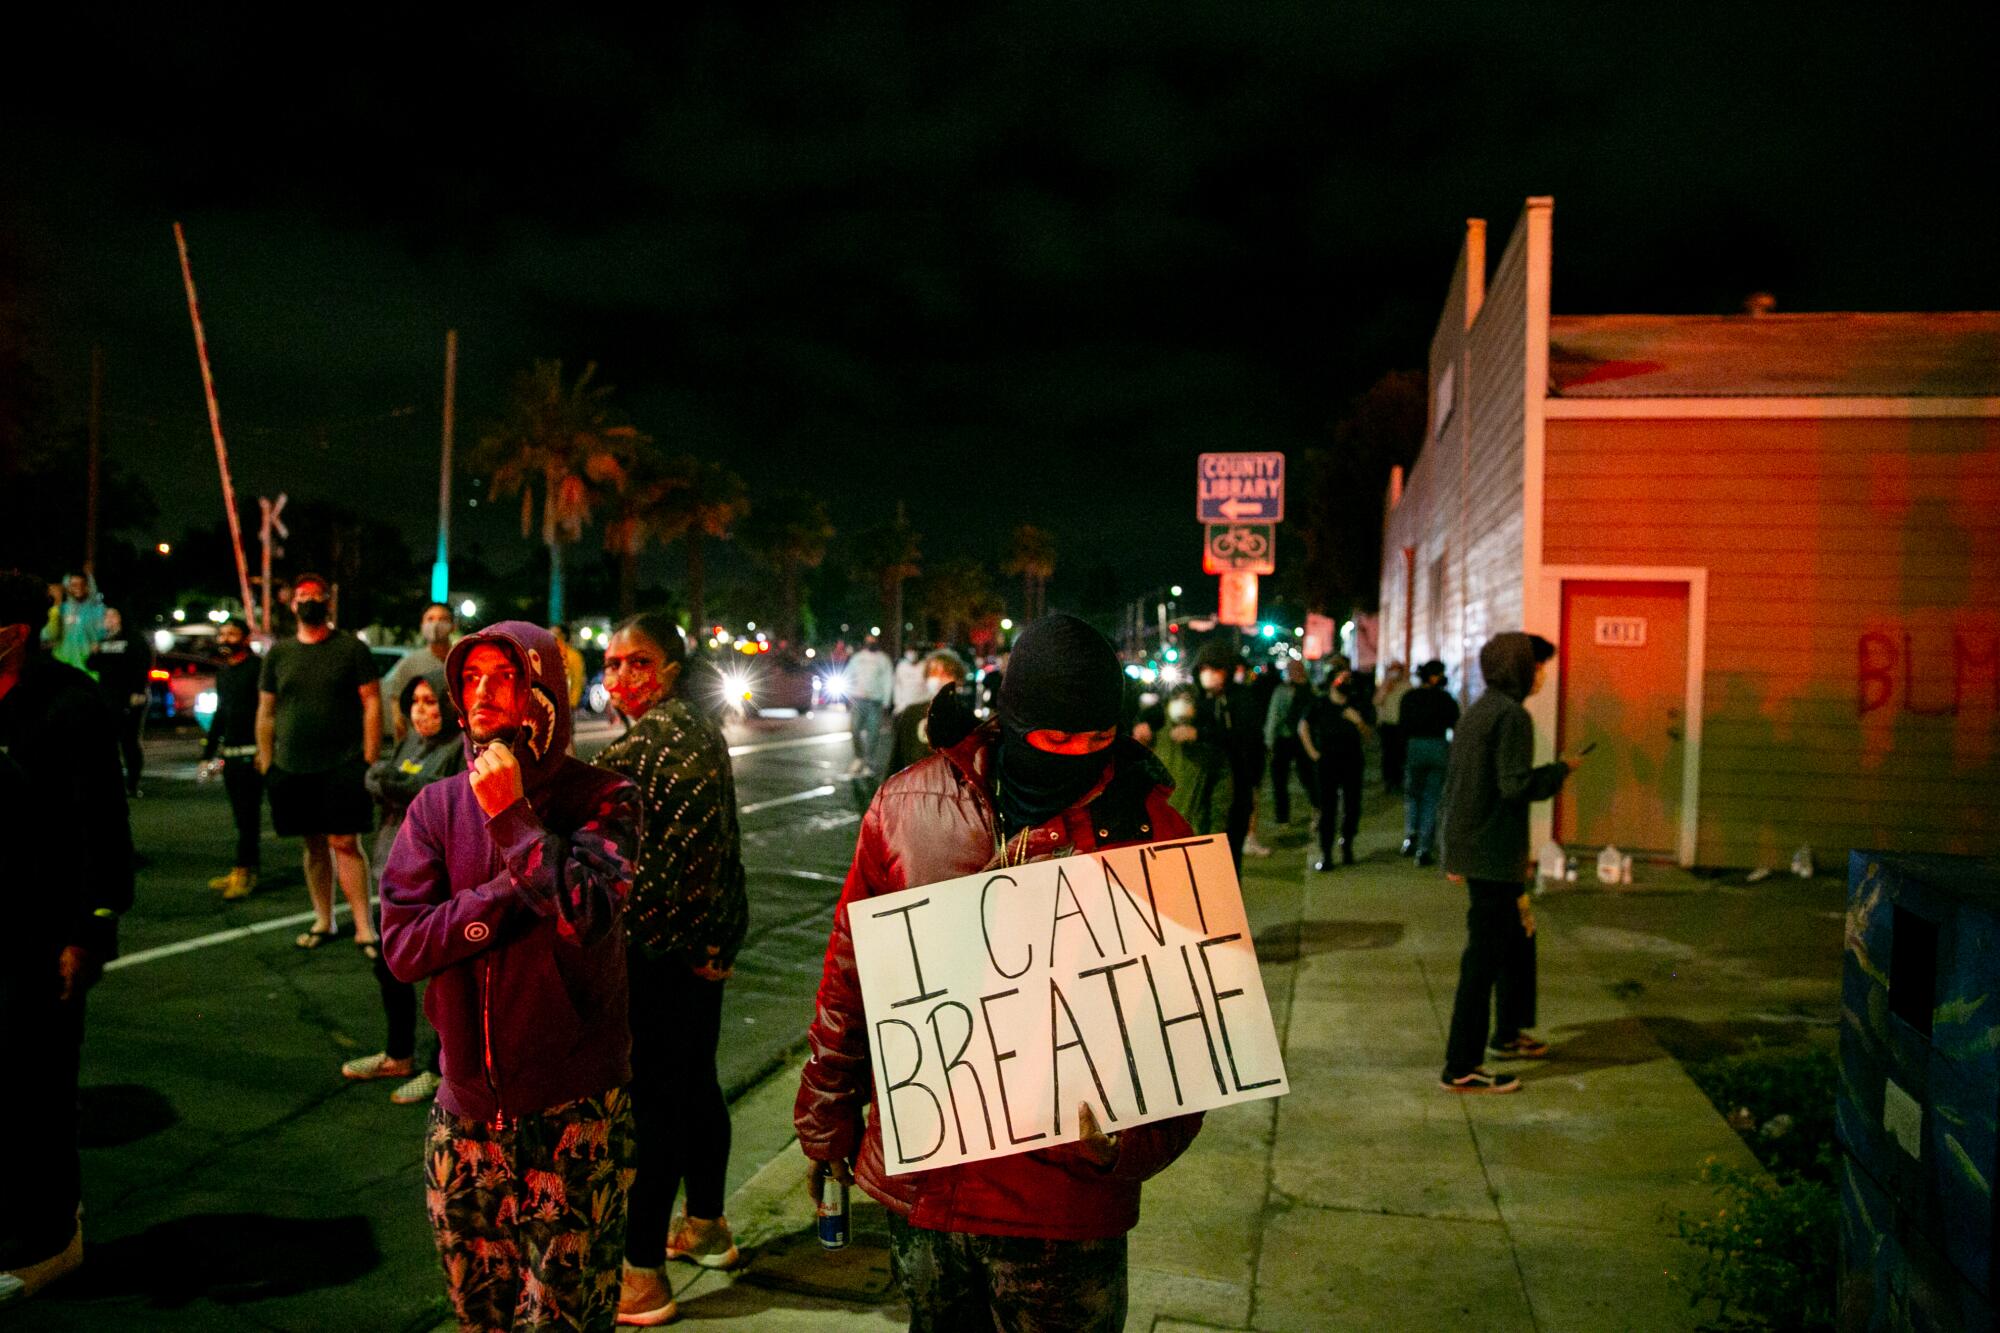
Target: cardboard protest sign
x=997 y=1002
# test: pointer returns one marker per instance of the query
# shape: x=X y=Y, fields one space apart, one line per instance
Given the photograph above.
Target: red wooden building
x=1767 y=545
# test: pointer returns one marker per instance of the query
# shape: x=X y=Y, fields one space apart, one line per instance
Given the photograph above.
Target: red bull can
x=832 y=1214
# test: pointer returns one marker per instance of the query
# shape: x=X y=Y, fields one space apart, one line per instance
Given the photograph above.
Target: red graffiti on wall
x=1972 y=671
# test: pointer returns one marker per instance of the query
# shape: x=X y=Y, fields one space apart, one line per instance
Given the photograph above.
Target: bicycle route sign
x=1245 y=548
x=1240 y=488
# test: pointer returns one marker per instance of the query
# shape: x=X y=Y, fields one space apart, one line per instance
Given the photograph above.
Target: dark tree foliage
x=1345 y=484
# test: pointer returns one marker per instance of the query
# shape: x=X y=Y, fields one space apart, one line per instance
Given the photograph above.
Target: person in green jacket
x=1204 y=786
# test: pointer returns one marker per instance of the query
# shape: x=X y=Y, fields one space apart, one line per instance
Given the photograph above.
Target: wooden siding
x=1852 y=688
x=1462 y=502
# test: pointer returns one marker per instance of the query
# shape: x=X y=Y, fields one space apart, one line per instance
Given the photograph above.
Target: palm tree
x=706 y=500
x=649 y=506
x=789 y=534
x=1032 y=555
x=558 y=442
x=892 y=553
x=957 y=597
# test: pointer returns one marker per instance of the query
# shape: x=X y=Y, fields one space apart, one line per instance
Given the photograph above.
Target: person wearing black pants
x=231 y=750
x=123 y=665
x=68 y=842
x=1332 y=735
x=430 y=751
x=686 y=919
x=1286 y=708
x=1498 y=965
x=1226 y=717
x=1492 y=781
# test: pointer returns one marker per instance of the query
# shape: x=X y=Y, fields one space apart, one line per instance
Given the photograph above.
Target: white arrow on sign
x=1234 y=509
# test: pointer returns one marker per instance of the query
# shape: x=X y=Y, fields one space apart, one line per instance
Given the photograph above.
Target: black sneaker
x=1480 y=1081
x=1409 y=847
x=1346 y=852
x=1426 y=859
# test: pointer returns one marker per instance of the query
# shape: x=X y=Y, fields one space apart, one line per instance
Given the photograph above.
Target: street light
x=165 y=548
x=1175 y=590
x=468 y=608
x=1006 y=623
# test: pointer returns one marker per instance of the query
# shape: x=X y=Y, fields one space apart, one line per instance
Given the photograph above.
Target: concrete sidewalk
x=1367 y=1198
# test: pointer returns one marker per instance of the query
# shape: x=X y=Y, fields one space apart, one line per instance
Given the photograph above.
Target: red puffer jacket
x=935 y=821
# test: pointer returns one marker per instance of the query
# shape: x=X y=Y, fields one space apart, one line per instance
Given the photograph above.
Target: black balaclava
x=1063 y=676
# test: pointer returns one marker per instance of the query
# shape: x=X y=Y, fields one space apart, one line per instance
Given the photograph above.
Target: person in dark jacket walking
x=506 y=889
x=1226 y=717
x=64 y=824
x=1428 y=715
x=231 y=751
x=909 y=731
x=1035 y=1240
x=430 y=751
x=1334 y=735
x=1492 y=780
x=123 y=665
x=686 y=920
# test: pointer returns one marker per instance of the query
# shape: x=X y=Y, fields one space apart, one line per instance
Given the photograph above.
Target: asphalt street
x=232 y=1178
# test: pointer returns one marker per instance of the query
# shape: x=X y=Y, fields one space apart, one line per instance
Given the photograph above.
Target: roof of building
x=1903 y=355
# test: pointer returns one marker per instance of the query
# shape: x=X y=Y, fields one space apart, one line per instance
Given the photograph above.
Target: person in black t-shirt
x=319 y=727
x=1428 y=715
x=231 y=751
x=123 y=665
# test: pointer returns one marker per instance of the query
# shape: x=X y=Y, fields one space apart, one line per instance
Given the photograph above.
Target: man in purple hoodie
x=505 y=888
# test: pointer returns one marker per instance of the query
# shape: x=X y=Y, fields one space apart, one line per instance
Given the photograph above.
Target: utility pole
x=215 y=422
x=271 y=509
x=441 y=570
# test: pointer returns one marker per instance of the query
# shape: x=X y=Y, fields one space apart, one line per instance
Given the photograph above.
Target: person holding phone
x=1492 y=781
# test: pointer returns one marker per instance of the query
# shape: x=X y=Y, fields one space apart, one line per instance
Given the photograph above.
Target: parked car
x=182 y=683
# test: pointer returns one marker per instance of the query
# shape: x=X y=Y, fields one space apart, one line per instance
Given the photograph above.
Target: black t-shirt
x=1428 y=713
x=1334 y=734
x=122 y=665
x=319 y=700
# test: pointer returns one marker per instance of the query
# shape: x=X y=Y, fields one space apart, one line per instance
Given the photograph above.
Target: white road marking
x=805 y=874
x=796 y=796
x=219 y=937
x=761 y=746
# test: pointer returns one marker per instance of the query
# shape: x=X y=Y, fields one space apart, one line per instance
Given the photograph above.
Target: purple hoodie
x=515 y=919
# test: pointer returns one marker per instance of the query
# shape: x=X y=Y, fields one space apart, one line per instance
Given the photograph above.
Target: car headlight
x=833 y=685
x=735 y=689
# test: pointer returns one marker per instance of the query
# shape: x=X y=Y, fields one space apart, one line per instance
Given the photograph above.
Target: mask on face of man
x=436 y=631
x=1181 y=711
x=312 y=612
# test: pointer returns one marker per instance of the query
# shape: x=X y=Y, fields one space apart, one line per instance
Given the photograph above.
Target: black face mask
x=311 y=612
x=1036 y=786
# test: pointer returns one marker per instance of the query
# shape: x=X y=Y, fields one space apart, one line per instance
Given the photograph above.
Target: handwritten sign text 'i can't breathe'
x=996 y=1003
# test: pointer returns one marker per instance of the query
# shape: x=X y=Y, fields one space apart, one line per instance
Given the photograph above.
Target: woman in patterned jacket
x=684 y=923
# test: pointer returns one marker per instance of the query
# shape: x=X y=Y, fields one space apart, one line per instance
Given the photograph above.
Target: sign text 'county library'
x=997 y=1002
x=1240 y=488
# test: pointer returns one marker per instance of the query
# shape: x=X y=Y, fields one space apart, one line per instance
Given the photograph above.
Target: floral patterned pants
x=530 y=1215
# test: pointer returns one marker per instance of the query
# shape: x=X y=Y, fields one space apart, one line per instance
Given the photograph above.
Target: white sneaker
x=1252 y=847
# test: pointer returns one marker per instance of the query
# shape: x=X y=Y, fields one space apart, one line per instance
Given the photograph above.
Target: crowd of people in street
x=573 y=926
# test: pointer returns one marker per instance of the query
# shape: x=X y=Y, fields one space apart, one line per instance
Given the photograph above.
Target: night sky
x=1007 y=267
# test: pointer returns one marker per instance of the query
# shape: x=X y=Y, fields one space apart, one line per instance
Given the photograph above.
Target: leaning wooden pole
x=215 y=423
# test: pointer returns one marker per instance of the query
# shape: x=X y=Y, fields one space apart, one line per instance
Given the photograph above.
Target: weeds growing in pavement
x=1767 y=1257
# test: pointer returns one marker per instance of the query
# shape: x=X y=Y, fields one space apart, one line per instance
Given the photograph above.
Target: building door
x=1624 y=689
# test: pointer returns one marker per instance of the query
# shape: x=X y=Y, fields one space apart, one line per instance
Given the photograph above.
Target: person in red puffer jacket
x=1038 y=1239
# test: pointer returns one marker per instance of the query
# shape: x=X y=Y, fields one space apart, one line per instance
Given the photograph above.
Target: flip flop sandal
x=315 y=937
x=370 y=949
